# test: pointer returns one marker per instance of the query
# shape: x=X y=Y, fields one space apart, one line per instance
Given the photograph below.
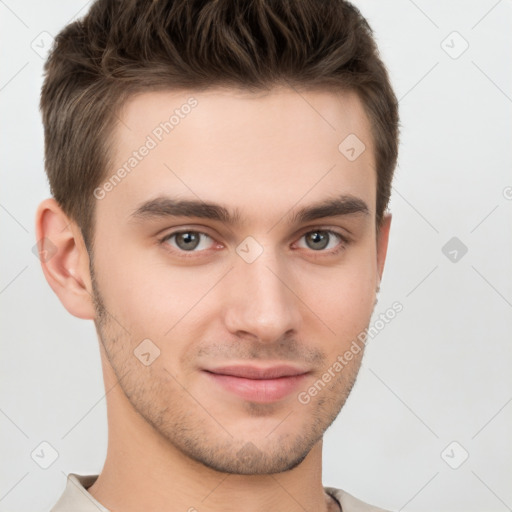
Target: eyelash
x=344 y=241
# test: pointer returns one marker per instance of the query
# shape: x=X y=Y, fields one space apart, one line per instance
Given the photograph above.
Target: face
x=235 y=260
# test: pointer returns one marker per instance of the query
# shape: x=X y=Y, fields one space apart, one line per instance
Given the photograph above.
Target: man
x=220 y=173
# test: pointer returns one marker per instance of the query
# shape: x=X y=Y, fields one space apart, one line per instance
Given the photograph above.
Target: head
x=220 y=174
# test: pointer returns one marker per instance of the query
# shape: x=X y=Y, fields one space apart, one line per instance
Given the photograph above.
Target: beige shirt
x=75 y=498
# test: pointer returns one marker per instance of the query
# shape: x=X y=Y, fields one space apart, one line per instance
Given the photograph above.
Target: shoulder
x=75 y=496
x=350 y=503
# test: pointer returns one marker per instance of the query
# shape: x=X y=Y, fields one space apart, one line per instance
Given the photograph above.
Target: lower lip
x=258 y=390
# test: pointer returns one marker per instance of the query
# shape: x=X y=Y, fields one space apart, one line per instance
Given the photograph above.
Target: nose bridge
x=261 y=302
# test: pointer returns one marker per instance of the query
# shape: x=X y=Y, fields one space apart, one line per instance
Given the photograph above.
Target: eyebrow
x=164 y=206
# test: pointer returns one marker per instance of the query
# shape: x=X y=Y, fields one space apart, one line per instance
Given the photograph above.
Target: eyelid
x=336 y=230
x=179 y=231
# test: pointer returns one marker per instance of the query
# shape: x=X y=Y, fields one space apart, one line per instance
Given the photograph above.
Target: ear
x=64 y=259
x=382 y=243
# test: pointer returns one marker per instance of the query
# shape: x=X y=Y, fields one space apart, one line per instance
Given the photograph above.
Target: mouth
x=258 y=384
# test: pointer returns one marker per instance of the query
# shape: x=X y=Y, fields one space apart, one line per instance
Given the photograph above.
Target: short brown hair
x=122 y=47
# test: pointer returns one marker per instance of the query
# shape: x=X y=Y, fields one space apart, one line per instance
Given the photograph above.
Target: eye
x=188 y=241
x=324 y=240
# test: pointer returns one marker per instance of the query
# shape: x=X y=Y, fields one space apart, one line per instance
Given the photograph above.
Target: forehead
x=278 y=147
x=263 y=115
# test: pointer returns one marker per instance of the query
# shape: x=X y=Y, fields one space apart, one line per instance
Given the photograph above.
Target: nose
x=262 y=303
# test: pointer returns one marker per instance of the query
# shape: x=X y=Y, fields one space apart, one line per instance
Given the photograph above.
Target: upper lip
x=255 y=372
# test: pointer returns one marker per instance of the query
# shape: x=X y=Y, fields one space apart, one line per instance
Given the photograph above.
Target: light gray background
x=438 y=373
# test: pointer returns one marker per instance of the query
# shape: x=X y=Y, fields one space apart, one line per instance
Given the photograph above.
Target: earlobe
x=382 y=244
x=64 y=259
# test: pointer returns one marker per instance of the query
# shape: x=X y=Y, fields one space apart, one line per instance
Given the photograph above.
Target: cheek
x=348 y=309
x=347 y=303
x=149 y=296
x=127 y=285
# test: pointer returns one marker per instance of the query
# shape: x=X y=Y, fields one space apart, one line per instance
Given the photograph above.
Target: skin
x=177 y=440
